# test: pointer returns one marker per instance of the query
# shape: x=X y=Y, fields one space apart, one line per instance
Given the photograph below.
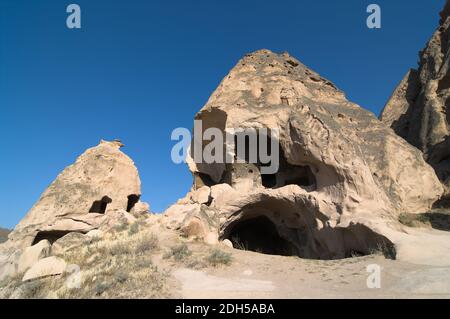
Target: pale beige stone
x=201 y=195
x=49 y=266
x=227 y=243
x=96 y=233
x=32 y=254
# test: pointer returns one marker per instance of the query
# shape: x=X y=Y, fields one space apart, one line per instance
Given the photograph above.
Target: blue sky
x=138 y=69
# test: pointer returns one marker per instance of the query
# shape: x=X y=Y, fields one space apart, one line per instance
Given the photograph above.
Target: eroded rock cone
x=419 y=108
x=343 y=176
x=95 y=192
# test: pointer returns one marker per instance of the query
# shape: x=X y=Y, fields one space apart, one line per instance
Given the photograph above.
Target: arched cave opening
x=132 y=200
x=276 y=228
x=259 y=234
x=51 y=236
x=99 y=206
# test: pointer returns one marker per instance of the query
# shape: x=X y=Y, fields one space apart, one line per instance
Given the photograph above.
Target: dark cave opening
x=51 y=236
x=132 y=200
x=202 y=179
x=99 y=206
x=260 y=235
x=269 y=180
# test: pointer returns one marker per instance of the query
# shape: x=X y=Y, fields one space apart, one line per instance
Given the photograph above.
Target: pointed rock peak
x=445 y=13
x=115 y=143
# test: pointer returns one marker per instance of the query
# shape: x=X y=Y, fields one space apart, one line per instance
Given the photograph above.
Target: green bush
x=179 y=252
x=218 y=257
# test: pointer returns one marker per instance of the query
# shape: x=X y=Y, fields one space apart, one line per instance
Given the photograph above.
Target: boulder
x=9 y=264
x=49 y=266
x=227 y=243
x=201 y=195
x=96 y=233
x=32 y=254
x=141 y=208
x=419 y=108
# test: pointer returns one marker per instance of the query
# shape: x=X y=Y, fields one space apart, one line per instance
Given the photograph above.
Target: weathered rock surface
x=95 y=192
x=419 y=109
x=68 y=242
x=33 y=254
x=49 y=266
x=342 y=180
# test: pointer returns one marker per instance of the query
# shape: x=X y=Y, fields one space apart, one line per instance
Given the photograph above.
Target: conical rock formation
x=343 y=177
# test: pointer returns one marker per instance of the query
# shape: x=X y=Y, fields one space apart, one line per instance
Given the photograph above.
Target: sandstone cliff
x=419 y=108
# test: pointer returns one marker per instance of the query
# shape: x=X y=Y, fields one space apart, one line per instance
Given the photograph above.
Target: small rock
x=211 y=239
x=201 y=195
x=96 y=233
x=227 y=243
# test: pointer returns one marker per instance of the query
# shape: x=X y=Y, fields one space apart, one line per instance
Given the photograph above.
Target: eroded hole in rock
x=286 y=174
x=132 y=200
x=259 y=234
x=276 y=228
x=51 y=236
x=201 y=179
x=444 y=83
x=99 y=206
x=269 y=180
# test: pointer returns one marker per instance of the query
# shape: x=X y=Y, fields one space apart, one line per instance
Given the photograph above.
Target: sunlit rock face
x=419 y=108
x=343 y=176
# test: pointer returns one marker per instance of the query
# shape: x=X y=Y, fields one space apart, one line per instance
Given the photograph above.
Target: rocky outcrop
x=95 y=192
x=342 y=177
x=33 y=254
x=419 y=108
x=50 y=266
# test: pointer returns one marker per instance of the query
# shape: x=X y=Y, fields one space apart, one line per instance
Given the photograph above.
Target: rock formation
x=4 y=234
x=101 y=189
x=419 y=108
x=344 y=177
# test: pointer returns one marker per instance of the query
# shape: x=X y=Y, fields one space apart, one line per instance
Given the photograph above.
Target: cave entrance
x=99 y=206
x=132 y=200
x=51 y=236
x=260 y=235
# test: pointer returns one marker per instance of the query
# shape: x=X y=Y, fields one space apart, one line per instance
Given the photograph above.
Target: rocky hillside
x=419 y=109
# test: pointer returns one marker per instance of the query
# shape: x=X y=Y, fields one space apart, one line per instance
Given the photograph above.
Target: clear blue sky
x=138 y=69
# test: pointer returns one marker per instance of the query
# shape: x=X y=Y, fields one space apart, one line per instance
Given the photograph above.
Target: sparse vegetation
x=238 y=244
x=120 y=227
x=134 y=228
x=414 y=220
x=119 y=248
x=218 y=257
x=179 y=252
x=146 y=243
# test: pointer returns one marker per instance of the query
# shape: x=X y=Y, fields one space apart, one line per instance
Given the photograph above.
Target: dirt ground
x=254 y=275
